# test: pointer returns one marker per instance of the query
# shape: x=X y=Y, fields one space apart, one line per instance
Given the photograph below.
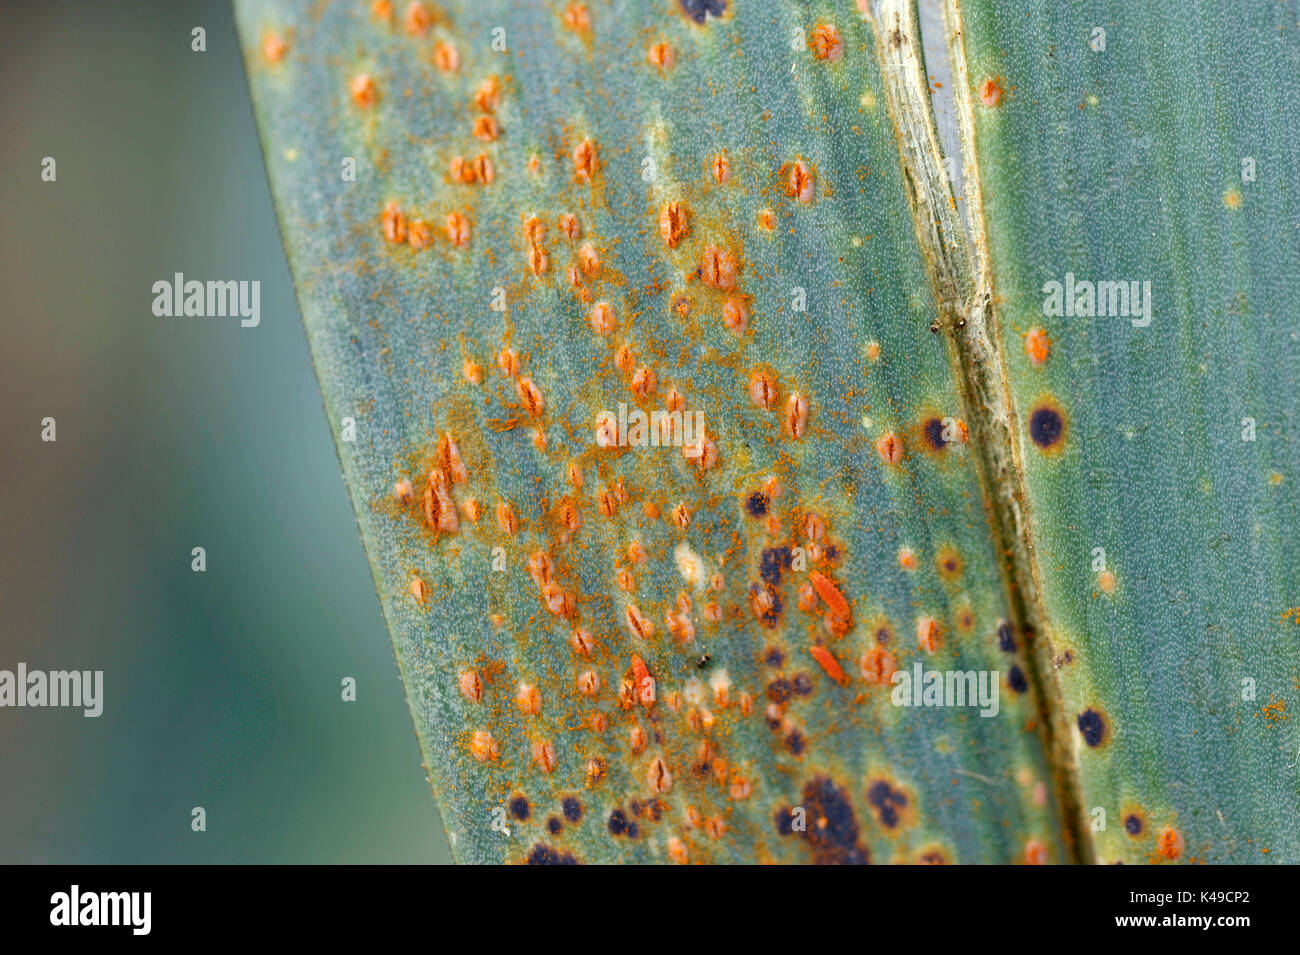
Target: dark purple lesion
x=888 y=801
x=543 y=854
x=933 y=431
x=1092 y=725
x=700 y=10
x=774 y=562
x=830 y=826
x=1046 y=427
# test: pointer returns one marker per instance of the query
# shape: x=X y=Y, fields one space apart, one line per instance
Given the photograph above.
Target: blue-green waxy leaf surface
x=515 y=228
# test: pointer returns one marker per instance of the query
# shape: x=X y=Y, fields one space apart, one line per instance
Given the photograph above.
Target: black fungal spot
x=756 y=504
x=796 y=743
x=888 y=802
x=520 y=809
x=779 y=690
x=1006 y=639
x=882 y=635
x=617 y=822
x=932 y=428
x=1016 y=680
x=703 y=661
x=1046 y=427
x=572 y=808
x=829 y=825
x=832 y=553
x=775 y=657
x=775 y=560
x=698 y=10
x=620 y=825
x=555 y=825
x=1093 y=727
x=803 y=684
x=1133 y=824
x=784 y=820
x=548 y=855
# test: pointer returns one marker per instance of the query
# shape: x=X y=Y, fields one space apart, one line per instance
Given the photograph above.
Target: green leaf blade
x=390 y=330
x=1126 y=164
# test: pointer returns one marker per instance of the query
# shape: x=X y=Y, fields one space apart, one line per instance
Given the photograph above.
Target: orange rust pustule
x=439 y=507
x=364 y=92
x=735 y=315
x=720 y=166
x=485 y=128
x=719 y=268
x=991 y=91
x=661 y=57
x=1035 y=853
x=825 y=42
x=538 y=260
x=673 y=223
x=1037 y=346
x=577 y=18
x=796 y=415
x=273 y=47
x=799 y=181
x=827 y=661
x=506 y=519
x=483 y=746
x=877 y=666
x=446 y=58
x=1169 y=843
x=838 y=606
x=531 y=396
x=488 y=95
x=419 y=235
x=639 y=623
x=890 y=448
x=418 y=19
x=461 y=171
x=763 y=389
x=585 y=163
x=588 y=258
x=643 y=682
x=450 y=460
x=457 y=228
x=393 y=223
x=928 y=634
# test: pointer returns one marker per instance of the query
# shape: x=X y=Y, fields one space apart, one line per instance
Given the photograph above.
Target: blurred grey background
x=222 y=689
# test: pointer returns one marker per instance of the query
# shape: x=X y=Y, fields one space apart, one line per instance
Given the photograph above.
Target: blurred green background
x=221 y=689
